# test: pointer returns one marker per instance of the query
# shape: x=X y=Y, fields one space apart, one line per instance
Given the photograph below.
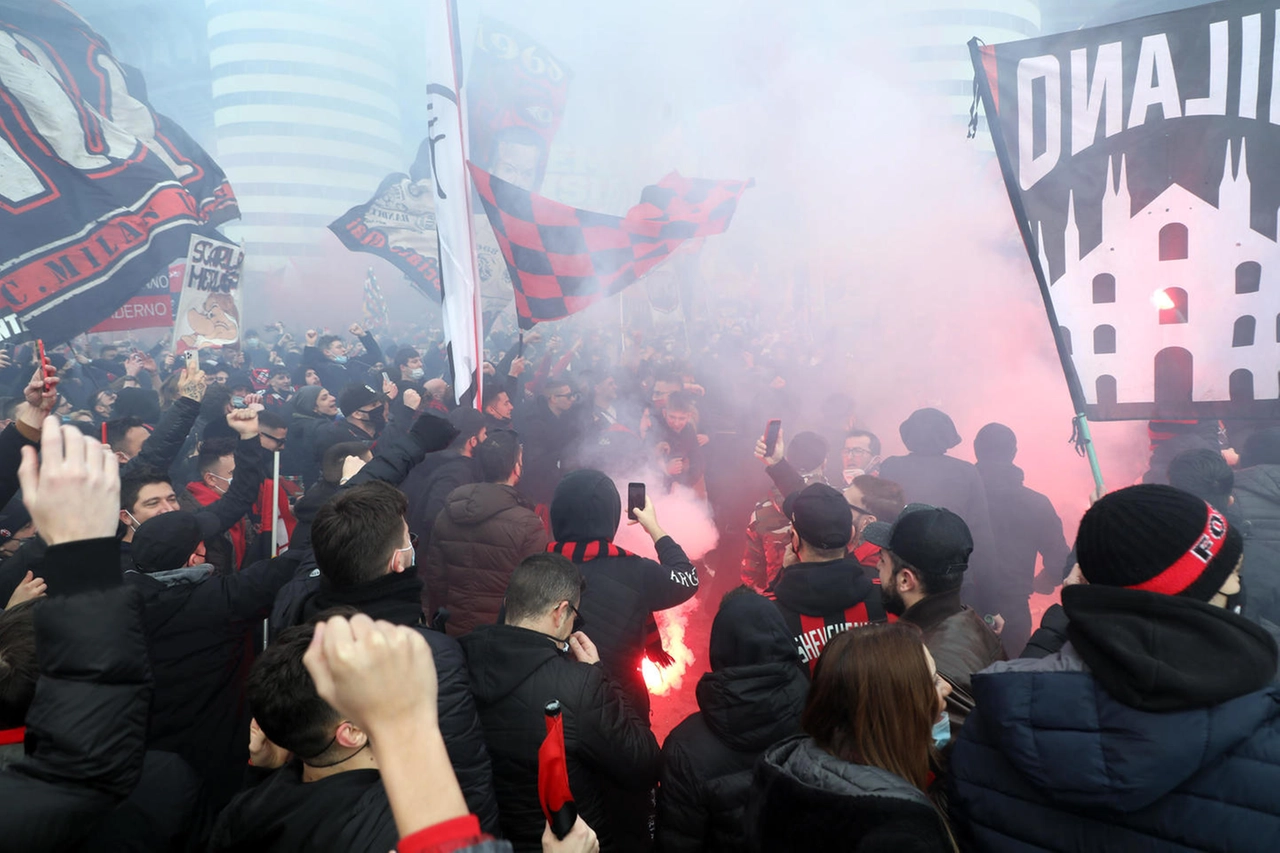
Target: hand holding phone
x=771 y=437
x=635 y=499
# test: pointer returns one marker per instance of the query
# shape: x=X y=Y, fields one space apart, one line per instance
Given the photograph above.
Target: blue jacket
x=1051 y=761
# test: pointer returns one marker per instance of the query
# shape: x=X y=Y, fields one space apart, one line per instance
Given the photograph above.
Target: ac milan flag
x=399 y=225
x=563 y=259
x=97 y=192
x=452 y=197
x=516 y=92
x=1143 y=163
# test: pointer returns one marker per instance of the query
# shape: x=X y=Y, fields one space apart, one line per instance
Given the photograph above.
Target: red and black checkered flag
x=563 y=259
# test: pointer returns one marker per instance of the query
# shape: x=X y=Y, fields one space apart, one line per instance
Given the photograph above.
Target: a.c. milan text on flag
x=1143 y=163
x=563 y=259
x=452 y=195
x=97 y=192
x=208 y=312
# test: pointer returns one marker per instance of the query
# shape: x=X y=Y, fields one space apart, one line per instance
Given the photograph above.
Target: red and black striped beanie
x=1159 y=539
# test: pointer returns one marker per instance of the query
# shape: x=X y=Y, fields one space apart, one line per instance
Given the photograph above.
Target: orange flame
x=662 y=680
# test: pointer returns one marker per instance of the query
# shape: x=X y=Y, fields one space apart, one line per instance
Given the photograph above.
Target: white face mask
x=136 y=524
x=417 y=373
x=413 y=556
x=220 y=477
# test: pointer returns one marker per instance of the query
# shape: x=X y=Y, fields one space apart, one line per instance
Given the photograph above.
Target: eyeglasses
x=578 y=621
x=860 y=511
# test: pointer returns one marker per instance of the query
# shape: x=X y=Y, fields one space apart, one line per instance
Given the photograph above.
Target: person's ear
x=350 y=736
x=394 y=567
x=125 y=519
x=907 y=580
x=121 y=458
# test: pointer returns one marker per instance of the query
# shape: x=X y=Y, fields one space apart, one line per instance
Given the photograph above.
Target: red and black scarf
x=595 y=549
x=585 y=552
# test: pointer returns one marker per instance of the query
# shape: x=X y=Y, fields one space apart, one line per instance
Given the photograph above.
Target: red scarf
x=205 y=496
x=8 y=737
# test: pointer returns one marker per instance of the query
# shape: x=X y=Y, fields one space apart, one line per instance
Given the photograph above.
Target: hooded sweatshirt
x=1153 y=729
x=623 y=590
x=751 y=699
x=340 y=813
x=299 y=456
x=928 y=475
x=820 y=600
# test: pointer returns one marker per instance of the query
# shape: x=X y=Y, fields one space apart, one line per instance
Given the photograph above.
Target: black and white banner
x=1143 y=163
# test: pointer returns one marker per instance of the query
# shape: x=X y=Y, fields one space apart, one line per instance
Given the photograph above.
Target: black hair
x=404 y=355
x=272 y=420
x=284 y=700
x=498 y=455
x=866 y=433
x=538 y=584
x=212 y=450
x=133 y=481
x=931 y=583
x=355 y=533
x=1203 y=473
x=807 y=451
x=118 y=429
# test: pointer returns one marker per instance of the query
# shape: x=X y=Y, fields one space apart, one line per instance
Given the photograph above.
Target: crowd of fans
x=359 y=653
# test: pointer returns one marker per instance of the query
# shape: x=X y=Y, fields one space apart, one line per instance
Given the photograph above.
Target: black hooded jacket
x=820 y=600
x=396 y=598
x=201 y=627
x=751 y=699
x=622 y=590
x=515 y=672
x=343 y=813
x=928 y=475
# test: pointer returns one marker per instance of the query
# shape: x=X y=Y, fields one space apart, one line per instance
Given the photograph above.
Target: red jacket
x=262 y=512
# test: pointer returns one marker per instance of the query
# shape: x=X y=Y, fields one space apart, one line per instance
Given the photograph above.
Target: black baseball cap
x=356 y=396
x=820 y=515
x=929 y=538
x=168 y=540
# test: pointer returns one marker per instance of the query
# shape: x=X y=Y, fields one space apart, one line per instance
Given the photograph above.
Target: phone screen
x=635 y=498
x=43 y=375
x=771 y=437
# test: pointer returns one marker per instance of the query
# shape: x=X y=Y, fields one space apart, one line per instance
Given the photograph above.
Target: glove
x=433 y=433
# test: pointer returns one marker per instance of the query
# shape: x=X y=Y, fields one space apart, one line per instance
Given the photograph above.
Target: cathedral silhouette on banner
x=1176 y=305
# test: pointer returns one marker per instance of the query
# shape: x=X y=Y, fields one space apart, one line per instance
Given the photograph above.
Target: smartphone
x=385 y=378
x=43 y=374
x=635 y=499
x=520 y=347
x=193 y=360
x=771 y=437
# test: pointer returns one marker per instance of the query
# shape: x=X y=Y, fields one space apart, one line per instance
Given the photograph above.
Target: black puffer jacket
x=514 y=674
x=343 y=813
x=86 y=728
x=804 y=799
x=201 y=628
x=396 y=598
x=751 y=699
x=1258 y=502
x=622 y=589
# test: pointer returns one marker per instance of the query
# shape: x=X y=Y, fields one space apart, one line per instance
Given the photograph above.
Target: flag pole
x=455 y=56
x=275 y=505
x=1081 y=434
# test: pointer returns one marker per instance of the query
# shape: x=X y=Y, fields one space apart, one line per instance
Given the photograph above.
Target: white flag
x=453 y=215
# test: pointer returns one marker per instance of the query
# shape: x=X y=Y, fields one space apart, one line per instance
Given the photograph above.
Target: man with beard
x=923 y=558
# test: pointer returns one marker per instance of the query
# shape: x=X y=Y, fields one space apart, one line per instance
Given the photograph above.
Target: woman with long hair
x=858 y=779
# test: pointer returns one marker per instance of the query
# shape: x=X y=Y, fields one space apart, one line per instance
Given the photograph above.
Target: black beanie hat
x=929 y=432
x=1159 y=539
x=995 y=443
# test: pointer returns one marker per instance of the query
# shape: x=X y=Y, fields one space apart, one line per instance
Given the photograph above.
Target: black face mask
x=376 y=420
